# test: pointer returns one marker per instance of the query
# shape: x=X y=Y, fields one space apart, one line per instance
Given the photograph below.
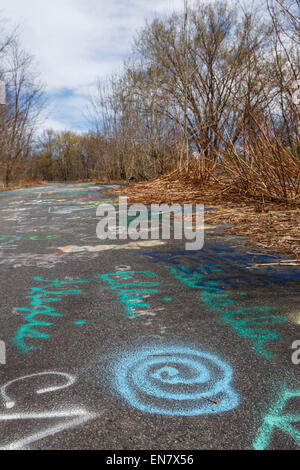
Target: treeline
x=67 y=156
x=213 y=92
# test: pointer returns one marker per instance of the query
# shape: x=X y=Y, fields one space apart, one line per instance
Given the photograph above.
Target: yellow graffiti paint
x=201 y=227
x=98 y=248
x=219 y=208
x=295 y=318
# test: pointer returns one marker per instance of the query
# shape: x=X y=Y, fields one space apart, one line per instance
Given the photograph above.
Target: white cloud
x=75 y=41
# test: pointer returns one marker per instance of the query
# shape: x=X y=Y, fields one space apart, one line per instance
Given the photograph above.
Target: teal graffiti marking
x=40 y=297
x=7 y=241
x=131 y=294
x=275 y=418
x=48 y=237
x=247 y=322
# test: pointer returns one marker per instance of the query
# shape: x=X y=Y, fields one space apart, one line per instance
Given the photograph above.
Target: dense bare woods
x=213 y=92
x=66 y=156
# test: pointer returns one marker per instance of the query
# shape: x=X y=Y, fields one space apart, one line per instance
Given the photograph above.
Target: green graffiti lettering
x=40 y=296
x=246 y=322
x=275 y=418
x=131 y=294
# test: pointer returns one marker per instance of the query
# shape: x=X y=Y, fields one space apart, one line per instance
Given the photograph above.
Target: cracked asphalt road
x=140 y=345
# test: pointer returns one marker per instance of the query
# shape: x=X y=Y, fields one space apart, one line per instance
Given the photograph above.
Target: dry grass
x=261 y=164
x=23 y=185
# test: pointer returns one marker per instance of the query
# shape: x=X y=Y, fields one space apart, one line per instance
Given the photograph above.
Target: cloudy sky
x=76 y=41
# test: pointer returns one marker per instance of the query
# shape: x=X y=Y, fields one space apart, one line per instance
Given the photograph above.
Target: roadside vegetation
x=212 y=94
x=206 y=109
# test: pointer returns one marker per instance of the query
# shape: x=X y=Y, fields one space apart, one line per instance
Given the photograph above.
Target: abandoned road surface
x=140 y=345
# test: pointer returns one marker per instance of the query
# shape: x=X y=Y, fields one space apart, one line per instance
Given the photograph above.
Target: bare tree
x=19 y=117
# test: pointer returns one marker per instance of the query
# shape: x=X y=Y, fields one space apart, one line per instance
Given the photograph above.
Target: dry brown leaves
x=267 y=225
x=274 y=231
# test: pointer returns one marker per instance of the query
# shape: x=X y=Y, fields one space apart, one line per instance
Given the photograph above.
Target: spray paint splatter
x=277 y=419
x=175 y=381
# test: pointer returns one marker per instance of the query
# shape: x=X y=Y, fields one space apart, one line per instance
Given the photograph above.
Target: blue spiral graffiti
x=175 y=380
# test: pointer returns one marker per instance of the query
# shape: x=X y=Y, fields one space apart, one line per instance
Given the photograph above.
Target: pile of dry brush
x=257 y=190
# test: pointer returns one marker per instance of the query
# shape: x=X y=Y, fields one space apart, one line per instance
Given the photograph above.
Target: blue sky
x=75 y=42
